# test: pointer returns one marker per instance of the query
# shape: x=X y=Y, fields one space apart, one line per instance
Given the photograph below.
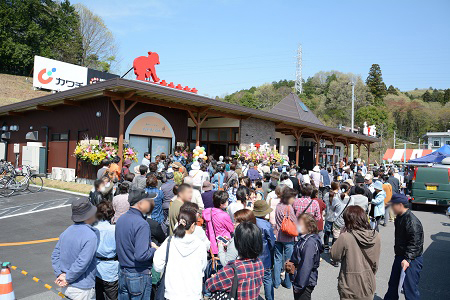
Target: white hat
x=316 y=169
x=285 y=163
x=195 y=166
x=368 y=177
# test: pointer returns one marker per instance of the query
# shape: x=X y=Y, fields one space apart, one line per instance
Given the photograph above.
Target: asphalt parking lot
x=46 y=214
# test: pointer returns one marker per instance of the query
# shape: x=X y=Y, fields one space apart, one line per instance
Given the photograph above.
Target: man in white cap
x=73 y=259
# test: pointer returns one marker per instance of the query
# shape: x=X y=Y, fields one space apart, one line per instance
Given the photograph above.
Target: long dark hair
x=332 y=193
x=185 y=220
x=345 y=187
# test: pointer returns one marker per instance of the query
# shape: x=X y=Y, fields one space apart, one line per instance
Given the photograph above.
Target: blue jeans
x=411 y=283
x=134 y=286
x=283 y=252
x=268 y=284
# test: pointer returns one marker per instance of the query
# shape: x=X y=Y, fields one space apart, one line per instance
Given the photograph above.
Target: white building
x=436 y=140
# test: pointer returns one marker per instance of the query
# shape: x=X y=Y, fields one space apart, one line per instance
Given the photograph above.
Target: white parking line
x=33 y=207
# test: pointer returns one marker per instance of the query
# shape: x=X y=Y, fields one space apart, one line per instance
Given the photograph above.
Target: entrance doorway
x=151 y=144
x=217 y=149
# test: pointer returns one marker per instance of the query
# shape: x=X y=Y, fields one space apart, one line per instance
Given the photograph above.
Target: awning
x=399 y=154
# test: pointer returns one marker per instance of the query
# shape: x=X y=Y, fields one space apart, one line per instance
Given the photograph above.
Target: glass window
x=55 y=136
x=436 y=143
x=213 y=134
x=193 y=133
x=192 y=146
x=204 y=133
x=63 y=137
x=303 y=106
x=235 y=136
x=447 y=142
x=224 y=134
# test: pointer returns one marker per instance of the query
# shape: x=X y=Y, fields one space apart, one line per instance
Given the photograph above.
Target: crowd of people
x=174 y=228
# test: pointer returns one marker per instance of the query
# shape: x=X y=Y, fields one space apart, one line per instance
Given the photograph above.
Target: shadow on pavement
x=434 y=279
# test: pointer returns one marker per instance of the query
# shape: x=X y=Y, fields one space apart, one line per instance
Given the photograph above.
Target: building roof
x=155 y=94
x=291 y=106
x=445 y=133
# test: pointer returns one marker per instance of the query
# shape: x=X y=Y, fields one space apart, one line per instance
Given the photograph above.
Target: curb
x=65 y=191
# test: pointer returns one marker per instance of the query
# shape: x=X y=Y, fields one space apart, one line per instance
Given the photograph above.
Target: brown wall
x=79 y=118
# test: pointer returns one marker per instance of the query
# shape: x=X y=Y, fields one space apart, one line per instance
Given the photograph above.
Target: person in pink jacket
x=218 y=222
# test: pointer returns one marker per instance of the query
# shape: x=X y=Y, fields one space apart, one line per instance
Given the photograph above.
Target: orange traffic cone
x=6 y=287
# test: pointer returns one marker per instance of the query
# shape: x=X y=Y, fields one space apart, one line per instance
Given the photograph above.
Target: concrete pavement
x=49 y=223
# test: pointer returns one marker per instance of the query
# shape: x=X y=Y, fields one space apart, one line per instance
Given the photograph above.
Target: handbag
x=288 y=226
x=222 y=295
x=162 y=285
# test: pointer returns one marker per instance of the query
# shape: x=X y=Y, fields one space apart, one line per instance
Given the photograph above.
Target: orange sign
x=151 y=126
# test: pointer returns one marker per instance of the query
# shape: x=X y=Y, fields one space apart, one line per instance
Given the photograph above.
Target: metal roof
x=291 y=106
x=170 y=95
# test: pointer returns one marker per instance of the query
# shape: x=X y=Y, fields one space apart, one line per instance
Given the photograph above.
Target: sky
x=221 y=46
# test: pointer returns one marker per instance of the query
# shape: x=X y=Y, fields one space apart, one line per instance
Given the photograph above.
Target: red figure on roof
x=144 y=66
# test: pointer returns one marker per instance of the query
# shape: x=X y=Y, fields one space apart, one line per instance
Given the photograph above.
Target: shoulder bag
x=288 y=226
x=162 y=285
x=309 y=204
x=222 y=295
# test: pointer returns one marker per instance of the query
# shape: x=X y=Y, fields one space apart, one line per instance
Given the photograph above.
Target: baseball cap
x=399 y=198
x=135 y=195
x=368 y=177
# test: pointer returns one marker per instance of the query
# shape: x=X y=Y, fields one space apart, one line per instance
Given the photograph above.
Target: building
x=436 y=140
x=155 y=118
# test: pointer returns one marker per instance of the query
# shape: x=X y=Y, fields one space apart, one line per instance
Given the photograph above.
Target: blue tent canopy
x=444 y=149
x=434 y=157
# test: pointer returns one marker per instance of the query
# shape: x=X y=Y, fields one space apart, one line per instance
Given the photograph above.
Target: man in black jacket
x=408 y=250
x=360 y=182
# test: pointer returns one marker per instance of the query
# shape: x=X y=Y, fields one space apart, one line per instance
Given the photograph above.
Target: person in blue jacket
x=305 y=260
x=73 y=259
x=261 y=209
x=134 y=247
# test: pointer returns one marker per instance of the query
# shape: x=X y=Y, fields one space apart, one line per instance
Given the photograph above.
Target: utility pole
x=353 y=116
x=298 y=71
x=394 y=139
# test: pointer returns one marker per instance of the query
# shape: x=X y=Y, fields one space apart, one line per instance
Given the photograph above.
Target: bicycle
x=19 y=179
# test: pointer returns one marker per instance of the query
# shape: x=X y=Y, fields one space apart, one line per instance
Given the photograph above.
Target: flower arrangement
x=258 y=154
x=96 y=150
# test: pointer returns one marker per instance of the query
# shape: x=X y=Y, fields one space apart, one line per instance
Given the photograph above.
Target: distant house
x=436 y=140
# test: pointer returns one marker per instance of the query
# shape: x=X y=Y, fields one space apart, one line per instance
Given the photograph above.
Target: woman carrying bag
x=183 y=260
x=285 y=233
x=248 y=268
x=358 y=248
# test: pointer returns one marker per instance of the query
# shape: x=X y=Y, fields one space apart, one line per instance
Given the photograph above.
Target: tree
x=392 y=90
x=427 y=97
x=99 y=46
x=37 y=27
x=376 y=85
x=446 y=98
x=372 y=115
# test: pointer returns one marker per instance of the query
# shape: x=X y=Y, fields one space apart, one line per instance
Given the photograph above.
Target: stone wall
x=257 y=131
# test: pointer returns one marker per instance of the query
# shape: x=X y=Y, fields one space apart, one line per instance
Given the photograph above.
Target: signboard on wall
x=151 y=126
x=55 y=75
x=59 y=76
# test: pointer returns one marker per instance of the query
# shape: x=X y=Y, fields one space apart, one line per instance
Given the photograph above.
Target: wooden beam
x=130 y=107
x=203 y=109
x=15 y=113
x=115 y=106
x=129 y=94
x=71 y=103
x=46 y=108
x=202 y=120
x=225 y=115
x=194 y=119
x=121 y=130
